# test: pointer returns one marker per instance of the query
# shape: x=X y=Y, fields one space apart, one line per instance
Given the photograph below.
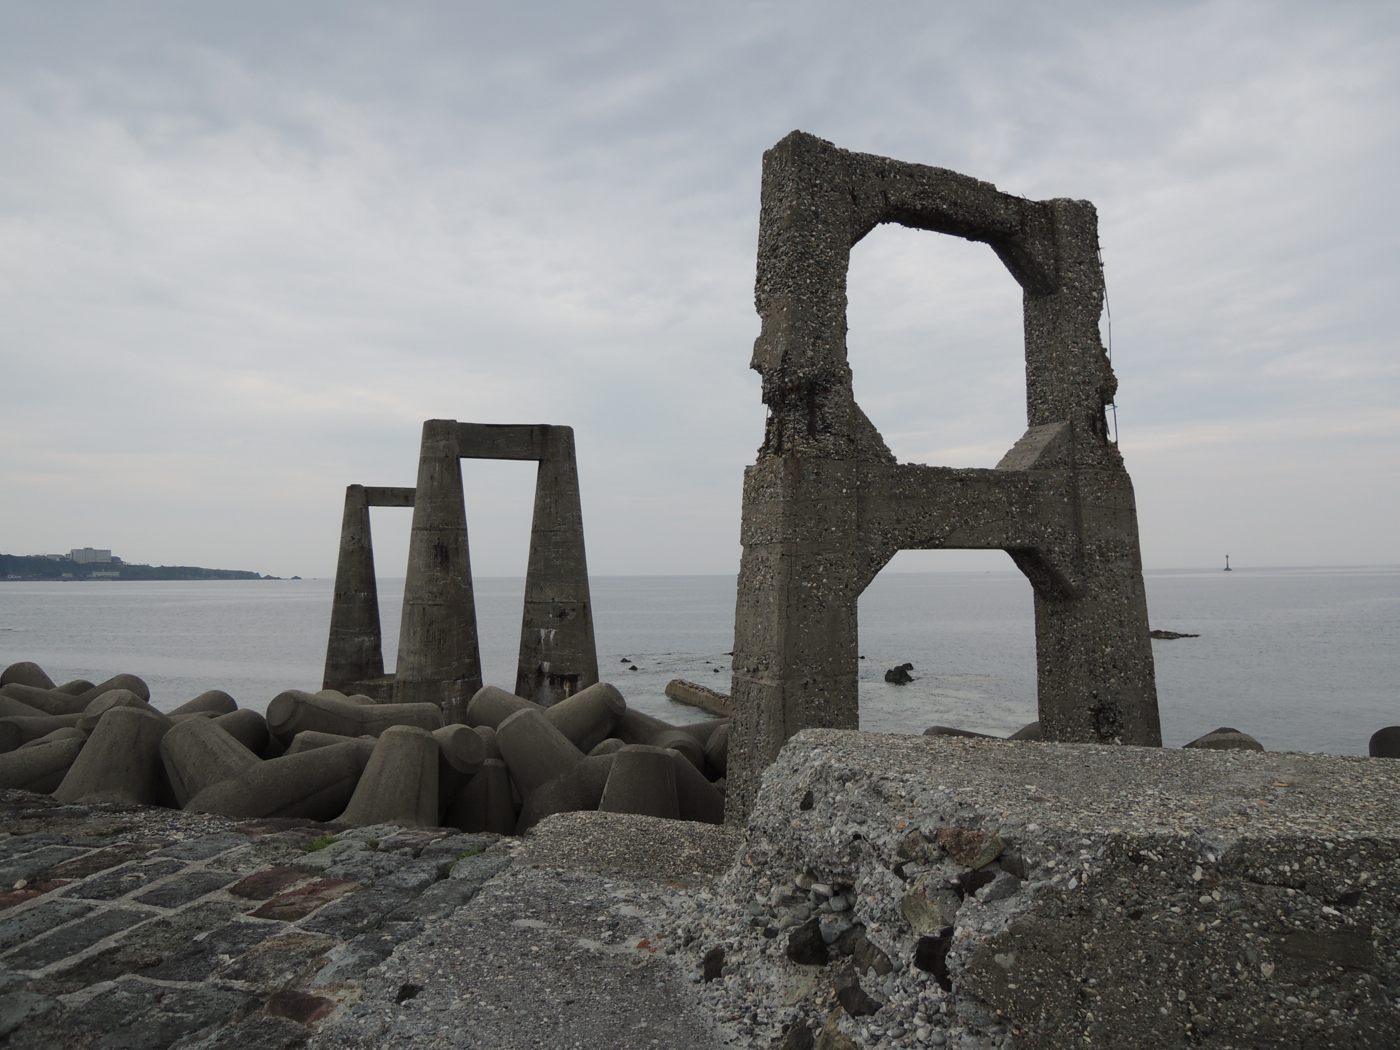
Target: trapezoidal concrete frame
x=355 y=647
x=439 y=659
x=826 y=505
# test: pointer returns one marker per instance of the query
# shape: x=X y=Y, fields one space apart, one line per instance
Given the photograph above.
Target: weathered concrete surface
x=439 y=659
x=355 y=645
x=1065 y=894
x=703 y=697
x=1051 y=895
x=558 y=655
x=565 y=948
x=826 y=506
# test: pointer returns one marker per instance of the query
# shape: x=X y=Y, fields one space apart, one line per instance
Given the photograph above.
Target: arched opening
x=390 y=528
x=936 y=346
x=966 y=621
x=500 y=501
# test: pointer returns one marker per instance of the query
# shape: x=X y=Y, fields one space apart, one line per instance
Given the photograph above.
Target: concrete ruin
x=826 y=505
x=355 y=648
x=439 y=660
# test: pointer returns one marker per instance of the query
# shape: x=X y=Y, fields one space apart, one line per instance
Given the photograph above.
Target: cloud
x=245 y=251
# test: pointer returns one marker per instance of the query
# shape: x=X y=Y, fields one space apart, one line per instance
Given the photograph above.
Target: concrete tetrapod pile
x=332 y=757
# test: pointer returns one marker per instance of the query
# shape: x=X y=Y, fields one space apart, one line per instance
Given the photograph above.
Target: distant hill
x=41 y=567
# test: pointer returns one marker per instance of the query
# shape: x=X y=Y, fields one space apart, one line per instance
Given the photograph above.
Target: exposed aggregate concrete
x=889 y=891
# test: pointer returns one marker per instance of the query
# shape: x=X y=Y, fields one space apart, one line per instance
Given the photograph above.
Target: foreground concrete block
x=314 y=785
x=578 y=789
x=49 y=701
x=213 y=701
x=100 y=705
x=26 y=673
x=587 y=718
x=484 y=802
x=310 y=740
x=534 y=750
x=39 y=767
x=293 y=711
x=9 y=706
x=1081 y=895
x=248 y=727
x=491 y=706
x=400 y=783
x=130 y=682
x=198 y=753
x=120 y=761
x=18 y=730
x=642 y=781
x=1385 y=743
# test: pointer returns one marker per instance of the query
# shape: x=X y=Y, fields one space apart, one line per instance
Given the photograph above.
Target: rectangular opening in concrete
x=966 y=621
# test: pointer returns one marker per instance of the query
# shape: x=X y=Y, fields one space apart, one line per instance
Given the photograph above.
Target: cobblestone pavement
x=144 y=928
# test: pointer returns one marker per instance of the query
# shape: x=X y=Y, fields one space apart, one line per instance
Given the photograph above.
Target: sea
x=1304 y=659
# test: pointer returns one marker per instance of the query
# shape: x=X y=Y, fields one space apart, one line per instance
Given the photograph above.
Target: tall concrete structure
x=355 y=648
x=439 y=659
x=826 y=505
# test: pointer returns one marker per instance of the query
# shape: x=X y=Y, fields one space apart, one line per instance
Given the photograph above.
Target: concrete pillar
x=355 y=648
x=400 y=783
x=439 y=660
x=557 y=653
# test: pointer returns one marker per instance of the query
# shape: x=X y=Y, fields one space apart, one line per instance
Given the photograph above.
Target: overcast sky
x=246 y=249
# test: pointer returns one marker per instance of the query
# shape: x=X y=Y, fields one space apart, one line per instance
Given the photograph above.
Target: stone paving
x=134 y=927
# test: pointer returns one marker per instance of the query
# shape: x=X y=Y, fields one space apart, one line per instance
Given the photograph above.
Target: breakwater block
x=120 y=761
x=695 y=695
x=1053 y=895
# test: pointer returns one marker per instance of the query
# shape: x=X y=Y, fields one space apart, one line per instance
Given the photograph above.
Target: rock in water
x=900 y=675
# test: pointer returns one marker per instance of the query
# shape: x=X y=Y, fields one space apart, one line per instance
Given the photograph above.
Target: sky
x=246 y=249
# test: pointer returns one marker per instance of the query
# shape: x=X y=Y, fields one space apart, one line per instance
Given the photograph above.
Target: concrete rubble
x=888 y=892
x=327 y=756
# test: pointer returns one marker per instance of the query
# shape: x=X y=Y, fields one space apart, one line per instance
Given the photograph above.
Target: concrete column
x=795 y=624
x=557 y=652
x=439 y=659
x=1096 y=678
x=354 y=650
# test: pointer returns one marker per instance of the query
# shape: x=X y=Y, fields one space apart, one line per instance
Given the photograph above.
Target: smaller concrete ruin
x=355 y=648
x=439 y=659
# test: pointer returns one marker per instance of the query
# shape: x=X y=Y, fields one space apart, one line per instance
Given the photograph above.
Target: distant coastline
x=31 y=567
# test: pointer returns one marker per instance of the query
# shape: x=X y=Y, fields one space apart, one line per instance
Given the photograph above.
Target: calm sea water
x=1304 y=659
